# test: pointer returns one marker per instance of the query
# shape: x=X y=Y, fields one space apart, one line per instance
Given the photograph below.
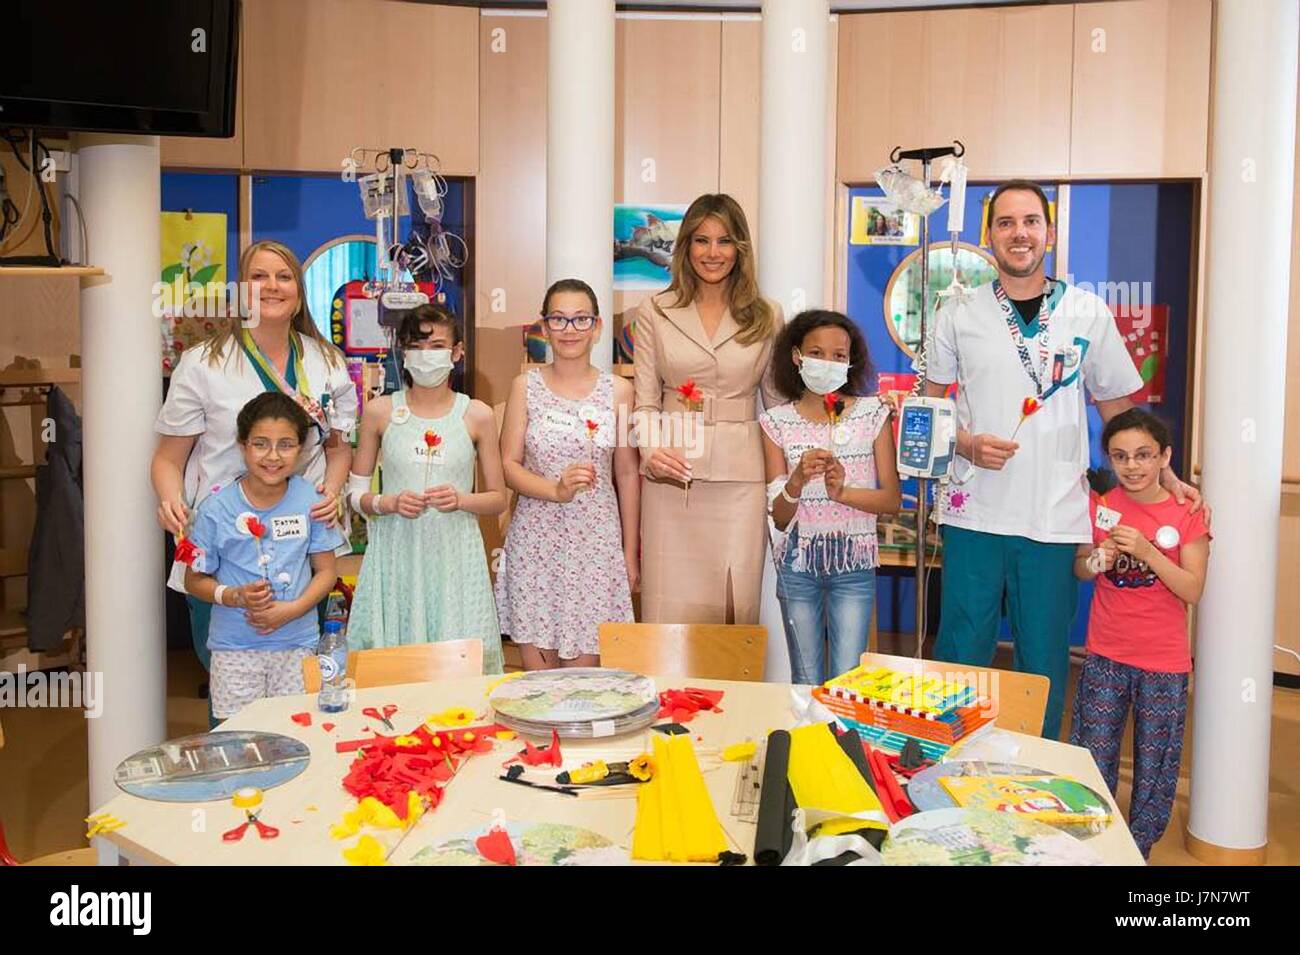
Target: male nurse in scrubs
x=1016 y=507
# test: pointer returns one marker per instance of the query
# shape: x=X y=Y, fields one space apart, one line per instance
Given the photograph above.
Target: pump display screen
x=914 y=439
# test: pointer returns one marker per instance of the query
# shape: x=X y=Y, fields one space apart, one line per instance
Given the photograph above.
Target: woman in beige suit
x=703 y=534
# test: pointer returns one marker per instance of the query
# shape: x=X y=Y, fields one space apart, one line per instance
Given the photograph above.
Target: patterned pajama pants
x=1159 y=700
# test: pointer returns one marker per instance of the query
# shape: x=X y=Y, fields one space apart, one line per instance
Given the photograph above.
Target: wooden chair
x=413 y=663
x=1021 y=697
x=708 y=651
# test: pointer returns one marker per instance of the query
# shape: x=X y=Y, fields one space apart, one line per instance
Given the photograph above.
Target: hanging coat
x=56 y=560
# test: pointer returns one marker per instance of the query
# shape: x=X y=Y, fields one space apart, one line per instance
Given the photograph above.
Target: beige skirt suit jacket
x=702 y=549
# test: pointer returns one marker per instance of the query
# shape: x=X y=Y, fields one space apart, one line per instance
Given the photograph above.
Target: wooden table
x=190 y=833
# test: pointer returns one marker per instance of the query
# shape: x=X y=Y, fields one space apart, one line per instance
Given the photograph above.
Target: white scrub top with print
x=205 y=399
x=1042 y=492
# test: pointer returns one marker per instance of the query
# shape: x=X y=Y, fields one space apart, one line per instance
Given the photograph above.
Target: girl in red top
x=1149 y=562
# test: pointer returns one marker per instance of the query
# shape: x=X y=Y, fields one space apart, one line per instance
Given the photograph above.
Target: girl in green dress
x=425 y=574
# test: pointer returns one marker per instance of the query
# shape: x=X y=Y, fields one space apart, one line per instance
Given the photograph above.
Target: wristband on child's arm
x=358 y=484
x=218 y=594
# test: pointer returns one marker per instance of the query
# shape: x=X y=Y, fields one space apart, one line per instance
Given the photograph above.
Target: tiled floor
x=43 y=791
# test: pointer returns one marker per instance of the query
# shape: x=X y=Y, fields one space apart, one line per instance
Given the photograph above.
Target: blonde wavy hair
x=754 y=315
x=302 y=322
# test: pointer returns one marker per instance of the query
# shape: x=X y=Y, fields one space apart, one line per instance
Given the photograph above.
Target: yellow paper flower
x=367 y=851
x=738 y=751
x=642 y=768
x=407 y=741
x=456 y=716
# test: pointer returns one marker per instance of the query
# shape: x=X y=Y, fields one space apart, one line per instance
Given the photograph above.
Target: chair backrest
x=412 y=663
x=709 y=651
x=1021 y=697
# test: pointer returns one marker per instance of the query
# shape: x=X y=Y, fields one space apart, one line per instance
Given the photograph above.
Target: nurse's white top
x=1042 y=492
x=205 y=399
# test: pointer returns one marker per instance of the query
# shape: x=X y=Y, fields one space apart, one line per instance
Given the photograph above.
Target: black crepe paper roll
x=773 y=834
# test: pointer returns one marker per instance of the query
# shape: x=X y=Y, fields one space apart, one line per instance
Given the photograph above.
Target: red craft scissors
x=263 y=830
x=374 y=713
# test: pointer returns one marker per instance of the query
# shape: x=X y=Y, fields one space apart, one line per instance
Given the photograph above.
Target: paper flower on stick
x=592 y=428
x=186 y=552
x=1027 y=407
x=691 y=395
x=693 y=399
x=834 y=408
x=256 y=527
x=495 y=846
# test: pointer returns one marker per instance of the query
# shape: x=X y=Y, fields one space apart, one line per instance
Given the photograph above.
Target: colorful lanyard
x=1035 y=371
x=295 y=385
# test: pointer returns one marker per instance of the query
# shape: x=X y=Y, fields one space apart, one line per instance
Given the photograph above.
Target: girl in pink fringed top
x=830 y=469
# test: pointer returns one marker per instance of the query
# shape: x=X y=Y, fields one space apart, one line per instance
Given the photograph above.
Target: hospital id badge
x=1107 y=519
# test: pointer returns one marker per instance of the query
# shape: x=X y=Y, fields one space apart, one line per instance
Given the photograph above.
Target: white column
x=792 y=230
x=1252 y=170
x=580 y=153
x=121 y=394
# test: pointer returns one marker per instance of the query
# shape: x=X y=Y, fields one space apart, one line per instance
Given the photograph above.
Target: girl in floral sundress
x=570 y=560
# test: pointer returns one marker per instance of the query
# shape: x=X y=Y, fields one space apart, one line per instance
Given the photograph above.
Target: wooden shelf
x=18 y=471
x=46 y=271
x=32 y=377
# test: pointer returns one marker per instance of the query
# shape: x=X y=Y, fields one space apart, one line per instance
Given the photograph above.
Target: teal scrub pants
x=1034 y=583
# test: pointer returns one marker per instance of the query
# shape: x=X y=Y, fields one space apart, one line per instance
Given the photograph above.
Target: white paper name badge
x=1107 y=519
x=556 y=420
x=425 y=453
x=293 y=527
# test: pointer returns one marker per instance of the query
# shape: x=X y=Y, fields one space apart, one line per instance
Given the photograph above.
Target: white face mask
x=822 y=377
x=428 y=367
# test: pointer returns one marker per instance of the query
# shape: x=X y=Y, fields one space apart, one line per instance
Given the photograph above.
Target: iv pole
x=926 y=155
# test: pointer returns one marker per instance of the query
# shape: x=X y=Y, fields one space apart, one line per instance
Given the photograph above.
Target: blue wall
x=1131 y=232
x=207 y=192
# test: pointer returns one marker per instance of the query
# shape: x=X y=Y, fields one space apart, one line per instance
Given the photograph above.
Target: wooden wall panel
x=324 y=78
x=998 y=79
x=739 y=122
x=1141 y=89
x=510 y=273
x=667 y=102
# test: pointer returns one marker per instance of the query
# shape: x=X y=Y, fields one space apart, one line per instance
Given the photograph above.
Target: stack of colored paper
x=888 y=707
x=1055 y=800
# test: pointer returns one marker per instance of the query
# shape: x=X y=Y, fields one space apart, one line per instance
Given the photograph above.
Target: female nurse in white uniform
x=279 y=349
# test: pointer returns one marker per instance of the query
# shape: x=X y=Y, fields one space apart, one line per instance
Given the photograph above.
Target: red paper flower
x=495 y=846
x=1029 y=406
x=186 y=552
x=431 y=440
x=592 y=428
x=834 y=405
x=691 y=396
x=682 y=705
x=255 y=527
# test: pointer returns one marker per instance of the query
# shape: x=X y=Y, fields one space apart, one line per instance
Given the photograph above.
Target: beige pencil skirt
x=703 y=554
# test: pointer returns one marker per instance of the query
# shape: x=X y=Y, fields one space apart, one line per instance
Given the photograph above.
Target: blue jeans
x=820 y=607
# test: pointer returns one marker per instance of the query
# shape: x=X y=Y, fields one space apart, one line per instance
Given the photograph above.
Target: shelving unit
x=46 y=271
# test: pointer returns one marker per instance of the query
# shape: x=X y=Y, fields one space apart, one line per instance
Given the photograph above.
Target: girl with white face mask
x=425 y=575
x=829 y=458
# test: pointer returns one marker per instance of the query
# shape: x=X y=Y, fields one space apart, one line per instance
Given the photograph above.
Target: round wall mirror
x=902 y=306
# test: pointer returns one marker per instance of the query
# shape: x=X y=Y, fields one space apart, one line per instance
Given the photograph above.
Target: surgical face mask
x=428 y=367
x=821 y=376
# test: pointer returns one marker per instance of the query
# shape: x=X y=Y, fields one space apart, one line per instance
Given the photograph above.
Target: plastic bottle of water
x=332 y=657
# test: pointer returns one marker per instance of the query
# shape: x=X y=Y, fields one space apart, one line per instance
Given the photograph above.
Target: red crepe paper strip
x=532 y=755
x=682 y=705
x=302 y=719
x=495 y=846
x=186 y=552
